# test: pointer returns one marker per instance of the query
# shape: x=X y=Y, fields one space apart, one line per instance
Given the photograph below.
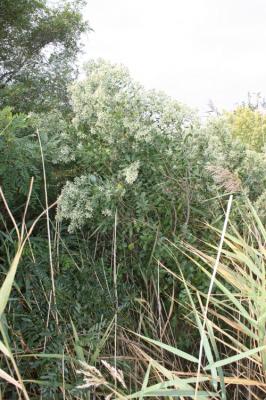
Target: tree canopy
x=39 y=47
x=249 y=125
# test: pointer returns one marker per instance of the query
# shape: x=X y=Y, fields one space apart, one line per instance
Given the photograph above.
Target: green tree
x=39 y=46
x=249 y=125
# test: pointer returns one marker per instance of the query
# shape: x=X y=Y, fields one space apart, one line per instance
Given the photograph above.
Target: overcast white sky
x=194 y=50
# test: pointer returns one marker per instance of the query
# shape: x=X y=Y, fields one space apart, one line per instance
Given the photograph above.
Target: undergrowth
x=64 y=355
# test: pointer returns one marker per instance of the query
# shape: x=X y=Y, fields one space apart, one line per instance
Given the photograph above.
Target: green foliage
x=249 y=126
x=120 y=151
x=146 y=156
x=230 y=322
x=19 y=157
x=39 y=45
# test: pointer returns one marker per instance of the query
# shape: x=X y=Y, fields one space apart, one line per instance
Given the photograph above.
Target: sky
x=194 y=50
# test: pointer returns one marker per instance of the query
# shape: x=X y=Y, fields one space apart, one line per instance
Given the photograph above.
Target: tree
x=249 y=125
x=39 y=46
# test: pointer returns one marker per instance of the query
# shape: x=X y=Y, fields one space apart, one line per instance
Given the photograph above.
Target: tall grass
x=229 y=357
x=230 y=320
x=23 y=235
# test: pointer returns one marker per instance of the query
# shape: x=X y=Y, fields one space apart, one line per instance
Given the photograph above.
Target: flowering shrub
x=124 y=155
x=130 y=139
x=131 y=172
x=148 y=156
x=88 y=197
x=147 y=159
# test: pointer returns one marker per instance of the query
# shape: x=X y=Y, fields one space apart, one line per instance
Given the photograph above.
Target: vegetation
x=39 y=46
x=249 y=125
x=132 y=239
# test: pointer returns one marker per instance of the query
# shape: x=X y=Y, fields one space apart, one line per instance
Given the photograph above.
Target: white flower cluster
x=116 y=120
x=88 y=197
x=131 y=173
x=107 y=213
x=66 y=154
x=113 y=107
x=74 y=203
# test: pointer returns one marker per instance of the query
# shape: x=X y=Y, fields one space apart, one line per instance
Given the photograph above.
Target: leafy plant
x=230 y=320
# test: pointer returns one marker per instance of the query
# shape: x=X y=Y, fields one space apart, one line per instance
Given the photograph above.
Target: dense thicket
x=131 y=170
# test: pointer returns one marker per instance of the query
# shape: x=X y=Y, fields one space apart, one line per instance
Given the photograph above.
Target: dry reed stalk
x=225 y=178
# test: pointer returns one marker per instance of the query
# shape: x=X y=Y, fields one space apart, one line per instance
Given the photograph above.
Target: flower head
x=131 y=173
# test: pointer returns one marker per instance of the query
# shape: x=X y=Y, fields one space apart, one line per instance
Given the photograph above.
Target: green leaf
x=235 y=358
x=171 y=349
